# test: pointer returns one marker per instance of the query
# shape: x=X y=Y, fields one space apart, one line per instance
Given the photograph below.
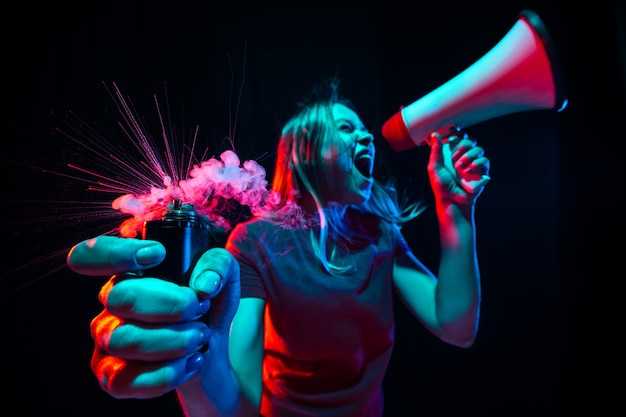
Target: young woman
x=299 y=302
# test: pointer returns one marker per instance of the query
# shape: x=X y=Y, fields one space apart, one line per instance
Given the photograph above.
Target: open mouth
x=364 y=163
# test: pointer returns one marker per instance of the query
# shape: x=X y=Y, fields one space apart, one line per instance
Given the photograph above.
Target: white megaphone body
x=520 y=73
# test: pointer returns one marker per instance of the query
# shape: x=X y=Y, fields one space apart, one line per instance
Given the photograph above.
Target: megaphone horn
x=520 y=73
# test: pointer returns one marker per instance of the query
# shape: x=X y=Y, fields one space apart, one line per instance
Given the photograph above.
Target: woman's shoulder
x=259 y=225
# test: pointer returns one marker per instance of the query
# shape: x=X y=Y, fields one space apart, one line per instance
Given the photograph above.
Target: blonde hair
x=298 y=170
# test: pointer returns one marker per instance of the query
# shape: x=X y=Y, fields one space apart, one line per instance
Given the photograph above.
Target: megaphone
x=521 y=72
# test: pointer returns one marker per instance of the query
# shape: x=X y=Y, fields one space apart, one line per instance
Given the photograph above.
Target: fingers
x=435 y=141
x=123 y=378
x=458 y=167
x=475 y=187
x=216 y=276
x=214 y=269
x=471 y=166
x=141 y=341
x=468 y=157
x=107 y=255
x=473 y=169
x=147 y=340
x=151 y=300
x=465 y=150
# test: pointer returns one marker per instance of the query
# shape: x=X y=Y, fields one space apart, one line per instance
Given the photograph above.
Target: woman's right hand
x=148 y=337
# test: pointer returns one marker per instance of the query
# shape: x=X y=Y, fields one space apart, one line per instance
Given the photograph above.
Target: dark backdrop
x=549 y=223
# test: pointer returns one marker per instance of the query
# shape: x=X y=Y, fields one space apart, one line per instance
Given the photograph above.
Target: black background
x=550 y=223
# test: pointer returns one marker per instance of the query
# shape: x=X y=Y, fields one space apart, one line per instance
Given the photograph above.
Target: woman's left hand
x=457 y=168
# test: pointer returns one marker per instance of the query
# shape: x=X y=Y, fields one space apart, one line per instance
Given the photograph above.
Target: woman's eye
x=346 y=127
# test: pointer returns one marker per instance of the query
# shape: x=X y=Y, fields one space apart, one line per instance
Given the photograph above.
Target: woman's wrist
x=456 y=223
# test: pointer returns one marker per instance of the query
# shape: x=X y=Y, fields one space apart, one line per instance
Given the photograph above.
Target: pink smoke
x=212 y=188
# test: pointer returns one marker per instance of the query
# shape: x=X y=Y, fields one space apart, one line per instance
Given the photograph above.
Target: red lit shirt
x=328 y=339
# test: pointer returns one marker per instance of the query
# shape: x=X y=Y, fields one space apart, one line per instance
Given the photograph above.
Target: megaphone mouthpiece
x=520 y=73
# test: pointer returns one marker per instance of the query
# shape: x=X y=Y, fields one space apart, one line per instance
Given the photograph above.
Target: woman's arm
x=449 y=303
x=231 y=388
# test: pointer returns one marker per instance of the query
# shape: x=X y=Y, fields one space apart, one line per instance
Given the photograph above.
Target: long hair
x=298 y=171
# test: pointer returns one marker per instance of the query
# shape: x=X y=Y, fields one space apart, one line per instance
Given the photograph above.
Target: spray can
x=185 y=235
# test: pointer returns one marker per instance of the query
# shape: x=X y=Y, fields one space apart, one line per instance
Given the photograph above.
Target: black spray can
x=185 y=235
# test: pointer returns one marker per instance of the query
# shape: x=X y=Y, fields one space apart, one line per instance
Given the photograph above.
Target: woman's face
x=349 y=159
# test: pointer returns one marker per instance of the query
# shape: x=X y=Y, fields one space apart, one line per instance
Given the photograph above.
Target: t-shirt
x=328 y=339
